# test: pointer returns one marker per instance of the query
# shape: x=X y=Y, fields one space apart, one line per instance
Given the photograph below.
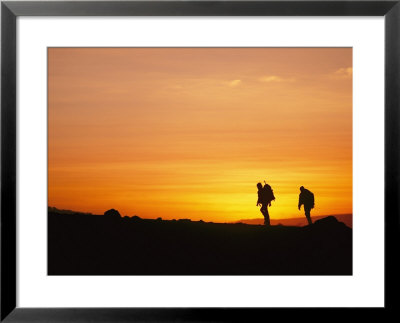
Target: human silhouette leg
x=264 y=211
x=307 y=211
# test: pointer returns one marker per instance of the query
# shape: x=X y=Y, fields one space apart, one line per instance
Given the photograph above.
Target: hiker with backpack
x=265 y=197
x=306 y=198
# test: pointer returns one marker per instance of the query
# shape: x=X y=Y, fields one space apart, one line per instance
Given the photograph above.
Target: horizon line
x=232 y=221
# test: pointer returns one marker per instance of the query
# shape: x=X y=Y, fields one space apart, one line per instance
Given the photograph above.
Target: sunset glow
x=188 y=132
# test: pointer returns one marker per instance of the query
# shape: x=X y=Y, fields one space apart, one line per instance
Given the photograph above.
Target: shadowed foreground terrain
x=85 y=244
x=300 y=221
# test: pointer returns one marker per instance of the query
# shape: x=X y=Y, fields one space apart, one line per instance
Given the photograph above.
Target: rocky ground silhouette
x=86 y=244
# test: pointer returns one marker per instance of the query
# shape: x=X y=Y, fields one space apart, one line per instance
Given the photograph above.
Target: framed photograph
x=197 y=160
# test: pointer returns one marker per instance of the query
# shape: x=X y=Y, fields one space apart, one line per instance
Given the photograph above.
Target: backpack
x=308 y=198
x=268 y=193
x=312 y=199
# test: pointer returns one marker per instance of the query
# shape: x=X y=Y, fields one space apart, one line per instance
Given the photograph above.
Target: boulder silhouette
x=112 y=213
x=136 y=218
x=327 y=221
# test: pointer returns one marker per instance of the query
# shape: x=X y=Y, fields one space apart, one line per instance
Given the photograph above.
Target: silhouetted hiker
x=306 y=198
x=265 y=196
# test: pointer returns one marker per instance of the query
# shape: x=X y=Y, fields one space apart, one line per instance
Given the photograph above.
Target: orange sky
x=188 y=132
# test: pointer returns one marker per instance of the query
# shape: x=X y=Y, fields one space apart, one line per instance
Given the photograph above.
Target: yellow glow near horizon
x=188 y=132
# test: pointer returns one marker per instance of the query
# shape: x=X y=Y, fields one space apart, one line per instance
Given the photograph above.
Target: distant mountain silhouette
x=300 y=221
x=85 y=244
x=54 y=210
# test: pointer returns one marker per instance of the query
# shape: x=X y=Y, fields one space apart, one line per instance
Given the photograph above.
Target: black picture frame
x=10 y=10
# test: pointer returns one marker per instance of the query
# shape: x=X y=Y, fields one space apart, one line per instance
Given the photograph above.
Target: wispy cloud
x=275 y=78
x=234 y=83
x=344 y=72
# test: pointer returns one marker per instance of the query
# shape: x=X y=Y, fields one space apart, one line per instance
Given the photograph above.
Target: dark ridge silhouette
x=185 y=220
x=135 y=218
x=300 y=220
x=60 y=211
x=85 y=244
